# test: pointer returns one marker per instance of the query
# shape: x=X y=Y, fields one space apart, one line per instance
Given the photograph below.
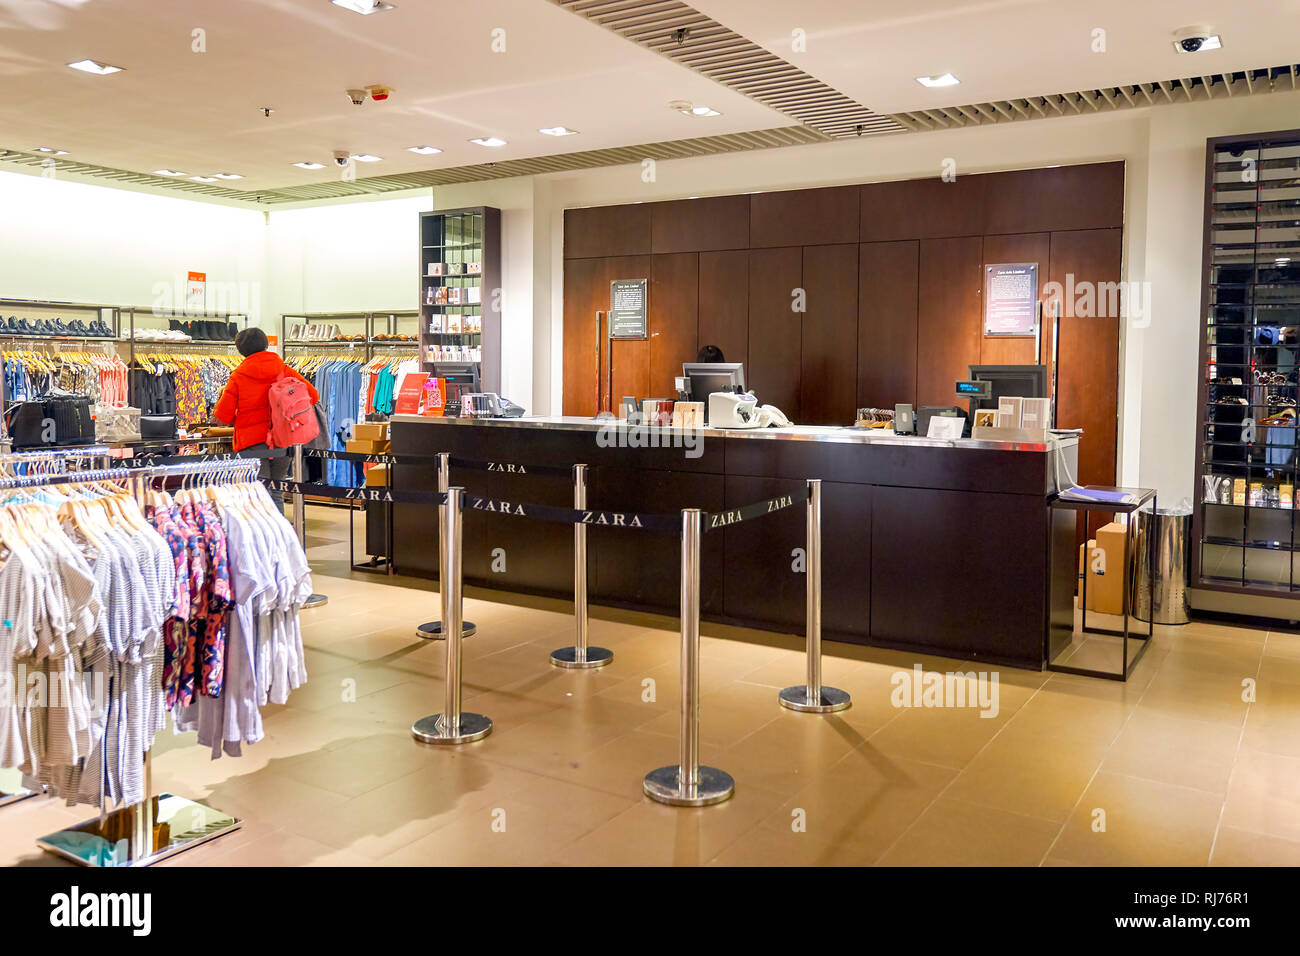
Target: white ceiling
x=199 y=112
x=873 y=51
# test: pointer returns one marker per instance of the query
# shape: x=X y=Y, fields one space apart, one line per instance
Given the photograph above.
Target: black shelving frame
x=1249 y=368
x=465 y=235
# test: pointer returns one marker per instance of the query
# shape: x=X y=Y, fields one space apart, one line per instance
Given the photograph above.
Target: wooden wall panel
x=804 y=217
x=774 y=330
x=948 y=316
x=1032 y=247
x=606 y=231
x=696 y=225
x=1088 y=377
x=887 y=299
x=829 y=375
x=922 y=209
x=724 y=303
x=672 y=319
x=1059 y=198
x=586 y=290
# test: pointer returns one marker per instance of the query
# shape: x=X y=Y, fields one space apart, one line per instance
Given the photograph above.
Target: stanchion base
x=665 y=786
x=432 y=729
x=831 y=700
x=179 y=824
x=316 y=600
x=433 y=630
x=568 y=657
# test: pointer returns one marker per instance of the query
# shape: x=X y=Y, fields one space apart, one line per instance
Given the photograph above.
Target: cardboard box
x=1107 y=584
x=376 y=476
x=370 y=431
x=363 y=447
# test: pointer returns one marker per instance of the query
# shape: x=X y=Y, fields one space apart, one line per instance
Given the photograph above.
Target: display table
x=946 y=547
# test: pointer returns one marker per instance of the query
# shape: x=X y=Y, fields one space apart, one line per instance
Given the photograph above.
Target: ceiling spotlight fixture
x=51 y=150
x=557 y=131
x=363 y=7
x=488 y=141
x=367 y=158
x=229 y=176
x=310 y=165
x=704 y=111
x=687 y=108
x=943 y=79
x=204 y=179
x=167 y=172
x=94 y=66
x=424 y=150
x=1196 y=40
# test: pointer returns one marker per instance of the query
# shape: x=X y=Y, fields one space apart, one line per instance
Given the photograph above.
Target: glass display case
x=1245 y=521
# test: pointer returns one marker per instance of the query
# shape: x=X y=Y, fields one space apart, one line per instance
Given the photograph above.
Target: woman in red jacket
x=244 y=403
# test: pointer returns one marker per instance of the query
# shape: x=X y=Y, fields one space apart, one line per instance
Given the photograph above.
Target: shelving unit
x=1248 y=446
x=452 y=241
x=367 y=325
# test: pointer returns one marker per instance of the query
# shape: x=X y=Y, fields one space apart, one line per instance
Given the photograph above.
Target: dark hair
x=251 y=341
x=710 y=353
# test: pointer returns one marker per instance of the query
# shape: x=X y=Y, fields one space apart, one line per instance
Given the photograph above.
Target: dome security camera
x=341 y=157
x=357 y=97
x=1196 y=39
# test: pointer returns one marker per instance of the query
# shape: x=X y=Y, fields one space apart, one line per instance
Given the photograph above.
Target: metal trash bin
x=1167 y=580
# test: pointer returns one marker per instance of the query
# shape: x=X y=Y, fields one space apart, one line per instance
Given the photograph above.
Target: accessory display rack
x=395 y=322
x=457 y=239
x=1244 y=524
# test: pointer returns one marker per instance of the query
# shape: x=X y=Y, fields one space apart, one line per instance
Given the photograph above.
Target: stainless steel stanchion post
x=580 y=655
x=300 y=517
x=688 y=784
x=452 y=726
x=432 y=630
x=812 y=697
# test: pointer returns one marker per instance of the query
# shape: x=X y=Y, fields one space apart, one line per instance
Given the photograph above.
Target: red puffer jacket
x=244 y=403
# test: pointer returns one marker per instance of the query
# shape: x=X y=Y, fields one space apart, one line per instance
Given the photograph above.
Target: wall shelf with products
x=460 y=275
x=1248 y=446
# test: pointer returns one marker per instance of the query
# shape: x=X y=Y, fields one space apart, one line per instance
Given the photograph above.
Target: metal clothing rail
x=163 y=825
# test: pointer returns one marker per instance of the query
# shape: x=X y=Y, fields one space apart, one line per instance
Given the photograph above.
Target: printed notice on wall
x=196 y=289
x=627 y=309
x=1010 y=298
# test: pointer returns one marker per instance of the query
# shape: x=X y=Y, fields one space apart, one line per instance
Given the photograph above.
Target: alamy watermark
x=616 y=433
x=919 y=688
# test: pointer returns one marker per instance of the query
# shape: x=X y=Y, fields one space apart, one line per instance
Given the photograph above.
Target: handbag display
x=157 y=427
x=57 y=419
x=116 y=423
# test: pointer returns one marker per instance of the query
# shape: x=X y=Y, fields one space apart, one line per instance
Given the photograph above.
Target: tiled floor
x=1196 y=760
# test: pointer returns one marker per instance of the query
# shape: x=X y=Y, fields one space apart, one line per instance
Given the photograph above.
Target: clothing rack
x=163 y=825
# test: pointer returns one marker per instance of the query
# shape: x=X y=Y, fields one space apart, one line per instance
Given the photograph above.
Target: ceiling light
x=424 y=150
x=94 y=66
x=367 y=158
x=704 y=111
x=167 y=172
x=229 y=176
x=488 y=141
x=557 y=131
x=51 y=150
x=943 y=79
x=363 y=7
x=310 y=165
x=204 y=179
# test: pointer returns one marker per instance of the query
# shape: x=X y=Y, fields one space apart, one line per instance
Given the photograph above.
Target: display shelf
x=459 y=237
x=1251 y=283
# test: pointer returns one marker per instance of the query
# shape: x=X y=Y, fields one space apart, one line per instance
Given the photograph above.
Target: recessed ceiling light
x=943 y=79
x=94 y=66
x=488 y=141
x=704 y=111
x=557 y=131
x=167 y=172
x=310 y=165
x=363 y=7
x=424 y=150
x=229 y=176
x=367 y=158
x=51 y=150
x=204 y=179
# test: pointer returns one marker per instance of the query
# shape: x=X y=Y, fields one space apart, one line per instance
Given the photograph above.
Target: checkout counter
x=940 y=546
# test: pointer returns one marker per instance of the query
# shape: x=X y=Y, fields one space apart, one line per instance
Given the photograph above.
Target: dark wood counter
x=942 y=547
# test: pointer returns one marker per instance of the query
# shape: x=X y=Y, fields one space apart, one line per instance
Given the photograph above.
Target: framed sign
x=196 y=287
x=627 y=308
x=1011 y=298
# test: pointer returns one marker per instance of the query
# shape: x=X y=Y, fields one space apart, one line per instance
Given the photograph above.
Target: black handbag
x=155 y=427
x=53 y=420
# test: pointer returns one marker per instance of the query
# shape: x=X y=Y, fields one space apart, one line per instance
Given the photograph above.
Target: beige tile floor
x=1182 y=765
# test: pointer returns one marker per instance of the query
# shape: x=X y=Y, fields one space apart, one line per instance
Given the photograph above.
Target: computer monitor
x=1026 y=381
x=705 y=378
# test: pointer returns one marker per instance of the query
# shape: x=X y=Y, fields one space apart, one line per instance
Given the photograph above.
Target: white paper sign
x=946 y=426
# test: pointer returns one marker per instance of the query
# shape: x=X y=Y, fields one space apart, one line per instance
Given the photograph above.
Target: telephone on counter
x=739 y=410
x=488 y=405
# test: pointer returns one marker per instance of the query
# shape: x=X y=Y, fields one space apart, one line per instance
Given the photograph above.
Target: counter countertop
x=826 y=433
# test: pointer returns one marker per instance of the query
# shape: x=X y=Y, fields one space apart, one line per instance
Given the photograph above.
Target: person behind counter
x=709 y=353
x=245 y=405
